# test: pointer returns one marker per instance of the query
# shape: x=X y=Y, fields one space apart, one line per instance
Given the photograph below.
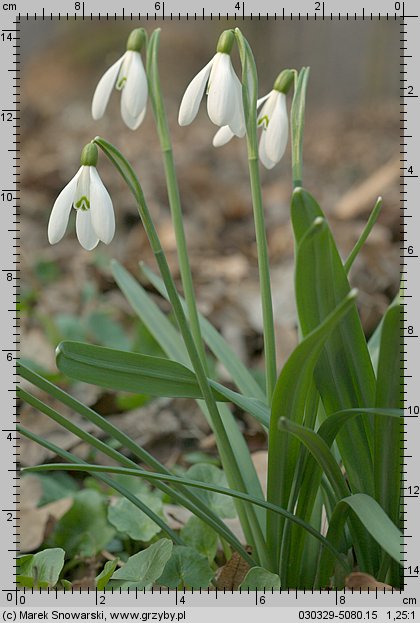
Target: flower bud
x=284 y=81
x=226 y=41
x=89 y=156
x=136 y=40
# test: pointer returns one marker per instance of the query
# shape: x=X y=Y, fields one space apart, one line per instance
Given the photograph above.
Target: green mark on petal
x=83 y=204
x=121 y=83
x=263 y=121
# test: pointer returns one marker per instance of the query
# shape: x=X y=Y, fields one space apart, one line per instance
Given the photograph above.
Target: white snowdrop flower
x=86 y=193
x=128 y=76
x=272 y=119
x=224 y=91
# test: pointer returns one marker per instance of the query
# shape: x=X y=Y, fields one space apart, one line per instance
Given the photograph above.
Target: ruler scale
x=406 y=19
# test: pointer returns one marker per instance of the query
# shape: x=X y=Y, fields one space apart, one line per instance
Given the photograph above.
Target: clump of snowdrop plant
x=332 y=414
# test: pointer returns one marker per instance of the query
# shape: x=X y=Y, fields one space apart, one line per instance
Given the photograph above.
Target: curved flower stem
x=159 y=112
x=249 y=519
x=249 y=91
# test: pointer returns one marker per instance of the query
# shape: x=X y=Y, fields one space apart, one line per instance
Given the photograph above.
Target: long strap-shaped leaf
x=250 y=521
x=289 y=400
x=72 y=458
x=182 y=495
x=171 y=342
x=198 y=484
x=217 y=344
x=376 y=522
x=344 y=374
x=389 y=433
x=327 y=432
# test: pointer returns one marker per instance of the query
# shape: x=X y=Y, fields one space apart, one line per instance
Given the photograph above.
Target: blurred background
x=351 y=155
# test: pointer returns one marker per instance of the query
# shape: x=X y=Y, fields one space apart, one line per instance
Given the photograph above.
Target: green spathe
x=89 y=155
x=225 y=43
x=136 y=40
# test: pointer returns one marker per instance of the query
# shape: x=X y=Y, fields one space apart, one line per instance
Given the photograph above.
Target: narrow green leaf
x=364 y=235
x=298 y=123
x=376 y=522
x=217 y=344
x=189 y=483
x=126 y=371
x=154 y=319
x=181 y=495
x=162 y=330
x=344 y=373
x=289 y=401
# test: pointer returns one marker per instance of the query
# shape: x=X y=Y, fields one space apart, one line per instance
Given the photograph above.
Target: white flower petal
x=130 y=121
x=61 y=209
x=104 y=88
x=84 y=229
x=221 y=100
x=277 y=131
x=101 y=210
x=193 y=95
x=261 y=100
x=222 y=136
x=237 y=123
x=267 y=110
x=134 y=92
x=262 y=152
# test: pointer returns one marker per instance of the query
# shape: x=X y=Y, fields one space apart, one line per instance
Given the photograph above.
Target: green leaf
x=84 y=530
x=201 y=537
x=210 y=474
x=130 y=520
x=186 y=568
x=289 y=399
x=259 y=579
x=111 y=469
x=126 y=371
x=40 y=570
x=56 y=486
x=374 y=519
x=150 y=314
x=103 y=578
x=344 y=375
x=364 y=235
x=143 y=569
x=389 y=431
x=298 y=124
x=217 y=344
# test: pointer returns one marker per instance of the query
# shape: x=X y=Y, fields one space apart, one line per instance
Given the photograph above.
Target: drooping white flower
x=272 y=119
x=86 y=193
x=224 y=91
x=127 y=75
x=275 y=129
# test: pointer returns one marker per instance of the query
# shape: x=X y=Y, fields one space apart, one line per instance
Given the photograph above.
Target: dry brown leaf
x=36 y=523
x=363 y=581
x=230 y=576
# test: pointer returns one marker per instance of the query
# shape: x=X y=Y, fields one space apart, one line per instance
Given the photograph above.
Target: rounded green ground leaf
x=201 y=537
x=258 y=579
x=186 y=568
x=144 y=568
x=129 y=519
x=84 y=530
x=210 y=474
x=40 y=570
x=103 y=578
